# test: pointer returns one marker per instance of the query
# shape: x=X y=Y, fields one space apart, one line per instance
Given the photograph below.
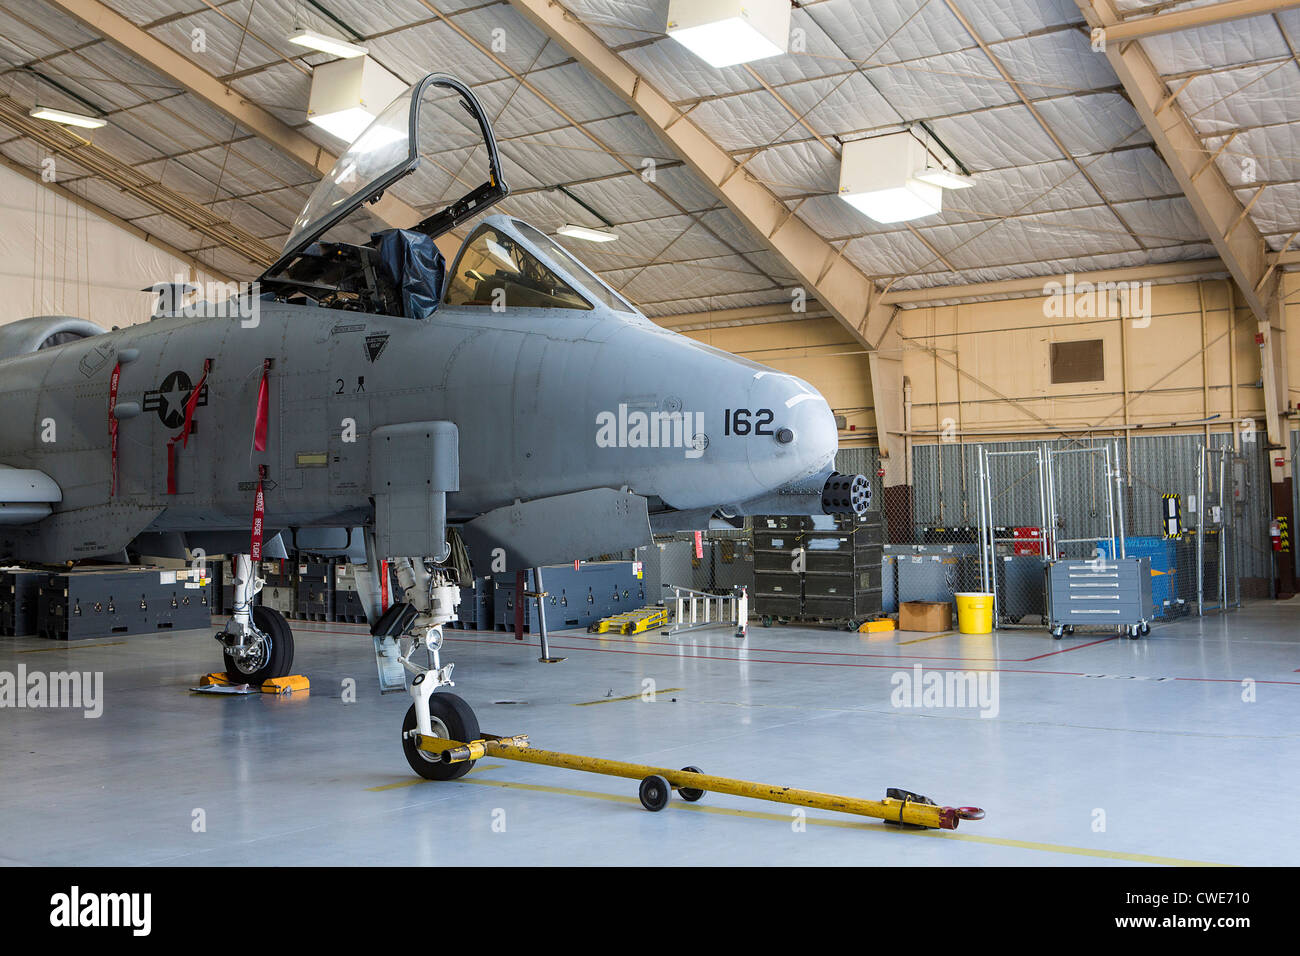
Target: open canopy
x=387 y=150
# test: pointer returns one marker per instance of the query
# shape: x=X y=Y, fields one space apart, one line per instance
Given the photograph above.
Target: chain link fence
x=1044 y=498
x=1204 y=527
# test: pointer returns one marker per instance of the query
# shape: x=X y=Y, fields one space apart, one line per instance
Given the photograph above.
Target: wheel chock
x=220 y=683
x=656 y=783
x=284 y=686
x=876 y=627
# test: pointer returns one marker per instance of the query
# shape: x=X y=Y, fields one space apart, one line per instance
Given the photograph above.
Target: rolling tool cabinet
x=1100 y=593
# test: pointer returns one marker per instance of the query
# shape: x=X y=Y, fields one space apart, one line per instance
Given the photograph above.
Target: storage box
x=928 y=616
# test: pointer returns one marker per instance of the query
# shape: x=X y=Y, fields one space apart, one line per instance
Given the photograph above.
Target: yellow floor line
x=932 y=637
x=64 y=647
x=610 y=700
x=415 y=782
x=856 y=824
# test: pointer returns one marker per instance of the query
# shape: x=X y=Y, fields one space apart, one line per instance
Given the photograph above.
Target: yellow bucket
x=974 y=612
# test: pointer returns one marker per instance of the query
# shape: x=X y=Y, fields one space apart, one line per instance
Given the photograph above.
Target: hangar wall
x=57 y=258
x=983 y=368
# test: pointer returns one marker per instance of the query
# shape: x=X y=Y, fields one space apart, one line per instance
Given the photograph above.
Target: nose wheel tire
x=654 y=793
x=273 y=656
x=450 y=718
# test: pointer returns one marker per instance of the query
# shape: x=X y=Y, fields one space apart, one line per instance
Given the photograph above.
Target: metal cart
x=1100 y=593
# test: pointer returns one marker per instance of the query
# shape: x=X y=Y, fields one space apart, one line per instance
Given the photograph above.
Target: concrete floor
x=1103 y=751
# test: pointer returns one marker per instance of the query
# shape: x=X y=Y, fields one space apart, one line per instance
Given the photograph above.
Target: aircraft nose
x=803 y=437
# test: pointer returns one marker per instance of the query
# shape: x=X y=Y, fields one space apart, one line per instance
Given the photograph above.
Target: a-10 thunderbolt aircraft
x=517 y=411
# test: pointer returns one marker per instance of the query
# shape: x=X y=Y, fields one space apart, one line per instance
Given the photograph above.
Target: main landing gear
x=257 y=643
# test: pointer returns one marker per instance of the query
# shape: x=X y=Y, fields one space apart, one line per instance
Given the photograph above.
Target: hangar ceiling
x=1068 y=177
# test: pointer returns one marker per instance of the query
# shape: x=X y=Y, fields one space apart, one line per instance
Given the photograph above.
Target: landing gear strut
x=257 y=643
x=432 y=595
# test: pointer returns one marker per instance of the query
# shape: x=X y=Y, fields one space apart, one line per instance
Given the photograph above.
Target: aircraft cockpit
x=382 y=269
x=494 y=267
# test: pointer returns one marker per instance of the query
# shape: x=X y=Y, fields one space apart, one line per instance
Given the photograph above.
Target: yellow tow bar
x=898 y=807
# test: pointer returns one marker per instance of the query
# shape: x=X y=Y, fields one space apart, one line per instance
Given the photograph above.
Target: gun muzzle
x=846 y=495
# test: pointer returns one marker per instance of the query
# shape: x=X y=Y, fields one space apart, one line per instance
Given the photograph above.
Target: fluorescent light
x=582 y=232
x=727 y=32
x=66 y=118
x=347 y=94
x=347 y=124
x=899 y=204
x=878 y=176
x=946 y=178
x=325 y=44
x=726 y=42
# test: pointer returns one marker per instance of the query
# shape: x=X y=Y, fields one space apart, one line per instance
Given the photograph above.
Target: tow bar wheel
x=690 y=794
x=450 y=718
x=654 y=792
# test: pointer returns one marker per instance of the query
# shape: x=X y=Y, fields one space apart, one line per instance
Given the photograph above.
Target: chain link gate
x=1014 y=543
x=1041 y=504
x=1218 y=550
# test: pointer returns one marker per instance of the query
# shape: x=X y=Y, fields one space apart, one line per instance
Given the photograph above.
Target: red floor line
x=768 y=650
x=618 y=639
x=760 y=660
x=1066 y=650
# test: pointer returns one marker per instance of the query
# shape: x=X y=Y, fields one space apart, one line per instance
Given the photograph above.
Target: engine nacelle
x=41 y=332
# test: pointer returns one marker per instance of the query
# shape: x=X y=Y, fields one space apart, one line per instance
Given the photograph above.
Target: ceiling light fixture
x=582 y=232
x=727 y=32
x=346 y=95
x=878 y=176
x=326 y=44
x=66 y=118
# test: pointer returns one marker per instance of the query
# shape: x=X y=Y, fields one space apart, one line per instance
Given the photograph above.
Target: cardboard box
x=928 y=616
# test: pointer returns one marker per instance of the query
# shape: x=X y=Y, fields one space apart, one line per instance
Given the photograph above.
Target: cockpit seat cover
x=413 y=262
x=42 y=331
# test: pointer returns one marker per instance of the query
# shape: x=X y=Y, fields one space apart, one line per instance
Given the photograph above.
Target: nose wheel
x=450 y=718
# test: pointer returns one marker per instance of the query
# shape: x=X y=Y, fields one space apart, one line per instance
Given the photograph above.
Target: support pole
x=1200 y=533
x=543 y=640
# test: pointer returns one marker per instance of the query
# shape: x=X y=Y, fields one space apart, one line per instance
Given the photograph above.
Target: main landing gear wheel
x=690 y=794
x=449 y=717
x=272 y=653
x=654 y=792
